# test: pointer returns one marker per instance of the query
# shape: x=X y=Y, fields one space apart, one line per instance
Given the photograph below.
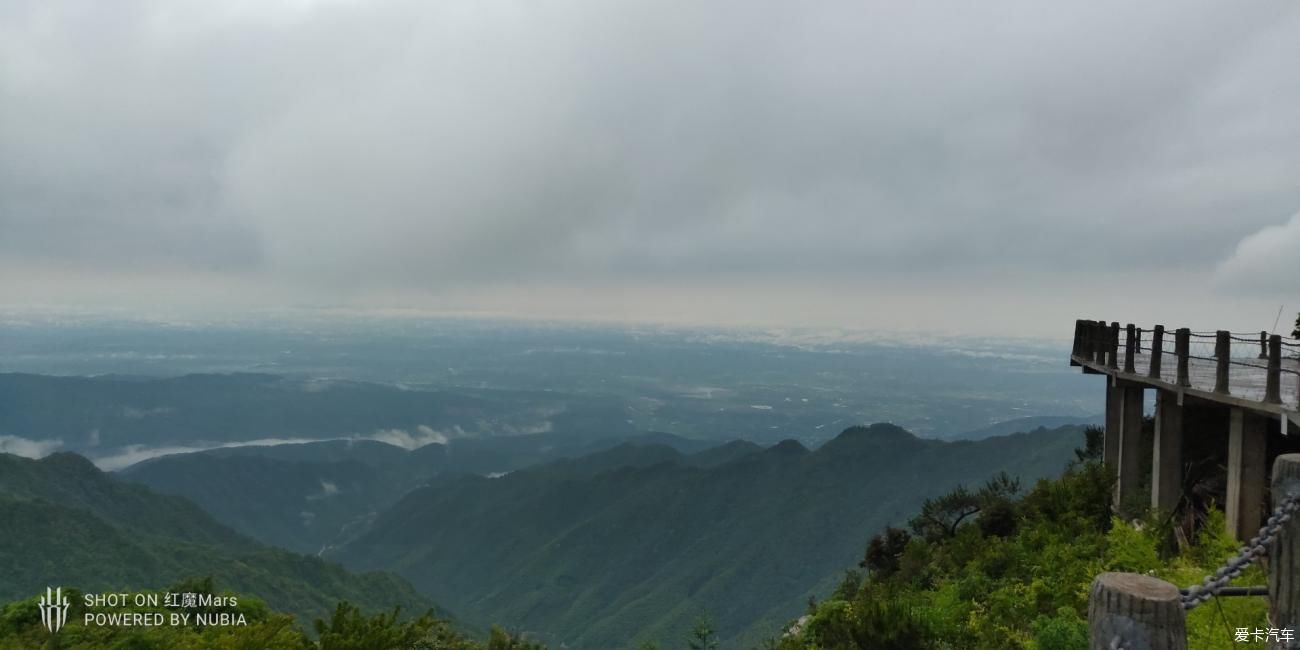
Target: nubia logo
x=54 y=609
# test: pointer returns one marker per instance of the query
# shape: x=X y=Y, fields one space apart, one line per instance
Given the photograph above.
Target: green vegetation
x=67 y=523
x=994 y=568
x=630 y=545
x=308 y=496
x=346 y=628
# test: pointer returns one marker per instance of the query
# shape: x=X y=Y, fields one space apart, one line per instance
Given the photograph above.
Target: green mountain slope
x=310 y=496
x=634 y=544
x=66 y=523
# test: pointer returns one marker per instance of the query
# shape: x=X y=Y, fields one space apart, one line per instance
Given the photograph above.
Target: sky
x=983 y=168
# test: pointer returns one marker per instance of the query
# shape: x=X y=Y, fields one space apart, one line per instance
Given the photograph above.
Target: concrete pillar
x=1110 y=447
x=1130 y=442
x=1246 y=452
x=1167 y=453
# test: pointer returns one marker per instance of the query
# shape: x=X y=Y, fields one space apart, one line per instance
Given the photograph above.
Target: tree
x=703 y=636
x=884 y=551
x=1295 y=333
x=502 y=640
x=1093 y=444
x=350 y=629
x=941 y=516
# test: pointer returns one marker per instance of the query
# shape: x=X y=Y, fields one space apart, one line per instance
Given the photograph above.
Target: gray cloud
x=384 y=150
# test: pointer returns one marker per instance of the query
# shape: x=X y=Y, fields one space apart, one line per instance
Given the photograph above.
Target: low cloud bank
x=27 y=447
x=129 y=455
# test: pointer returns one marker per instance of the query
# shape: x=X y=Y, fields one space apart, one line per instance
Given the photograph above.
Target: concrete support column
x=1110 y=446
x=1246 y=452
x=1130 y=442
x=1167 y=453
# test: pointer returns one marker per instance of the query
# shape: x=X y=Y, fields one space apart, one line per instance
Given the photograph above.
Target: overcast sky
x=984 y=167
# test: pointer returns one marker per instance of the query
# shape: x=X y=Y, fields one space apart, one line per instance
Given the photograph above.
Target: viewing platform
x=1241 y=388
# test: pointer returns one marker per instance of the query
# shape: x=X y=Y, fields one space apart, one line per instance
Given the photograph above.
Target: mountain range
x=68 y=523
x=637 y=542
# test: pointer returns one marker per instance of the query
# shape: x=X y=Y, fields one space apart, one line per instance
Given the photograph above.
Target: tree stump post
x=1129 y=610
x=1130 y=347
x=1273 y=380
x=1182 y=348
x=1112 y=352
x=1284 y=553
x=1157 y=350
x=1222 y=357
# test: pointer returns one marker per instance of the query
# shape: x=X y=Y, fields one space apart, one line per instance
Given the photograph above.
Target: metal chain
x=1253 y=550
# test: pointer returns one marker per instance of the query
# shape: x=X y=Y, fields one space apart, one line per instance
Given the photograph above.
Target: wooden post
x=1099 y=342
x=1112 y=358
x=1222 y=353
x=1139 y=339
x=1182 y=347
x=1273 y=382
x=1130 y=345
x=1129 y=610
x=1157 y=350
x=1167 y=453
x=1247 y=448
x=1263 y=345
x=1284 y=550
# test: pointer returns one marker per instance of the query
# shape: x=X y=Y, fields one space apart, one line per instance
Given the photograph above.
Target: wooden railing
x=1261 y=367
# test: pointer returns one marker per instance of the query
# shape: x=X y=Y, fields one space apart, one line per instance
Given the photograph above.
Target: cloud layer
x=477 y=154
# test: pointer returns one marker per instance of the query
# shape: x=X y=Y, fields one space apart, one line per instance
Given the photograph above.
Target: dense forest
x=992 y=564
x=1002 y=566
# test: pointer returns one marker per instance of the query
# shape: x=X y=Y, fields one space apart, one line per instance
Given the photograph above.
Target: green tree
x=500 y=639
x=885 y=550
x=702 y=635
x=1093 y=444
x=941 y=517
x=350 y=629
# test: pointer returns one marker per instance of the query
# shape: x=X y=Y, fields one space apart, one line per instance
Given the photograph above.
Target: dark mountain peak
x=875 y=436
x=724 y=453
x=69 y=462
x=788 y=447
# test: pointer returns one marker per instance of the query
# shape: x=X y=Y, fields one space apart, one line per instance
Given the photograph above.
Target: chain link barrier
x=1256 y=548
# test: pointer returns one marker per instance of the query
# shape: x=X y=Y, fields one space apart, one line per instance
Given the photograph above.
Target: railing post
x=1112 y=360
x=1130 y=342
x=1182 y=348
x=1139 y=339
x=1099 y=342
x=1157 y=350
x=1273 y=382
x=1130 y=610
x=1263 y=345
x=1284 y=550
x=1222 y=354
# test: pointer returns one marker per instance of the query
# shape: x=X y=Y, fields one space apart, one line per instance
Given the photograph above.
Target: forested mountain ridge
x=309 y=496
x=67 y=523
x=634 y=544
